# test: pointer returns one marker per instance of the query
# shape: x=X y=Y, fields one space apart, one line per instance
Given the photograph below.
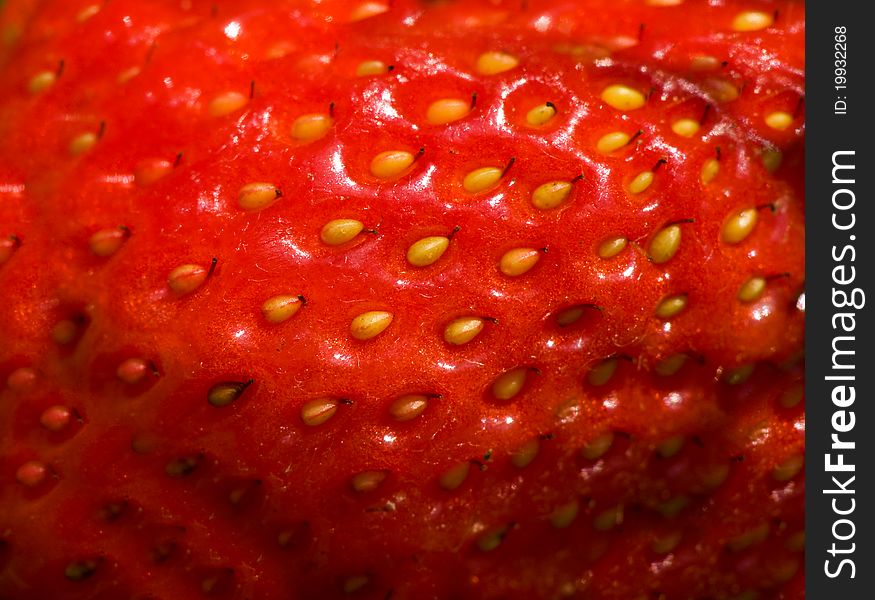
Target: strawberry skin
x=401 y=300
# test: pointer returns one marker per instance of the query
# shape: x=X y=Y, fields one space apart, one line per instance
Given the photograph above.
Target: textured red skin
x=424 y=548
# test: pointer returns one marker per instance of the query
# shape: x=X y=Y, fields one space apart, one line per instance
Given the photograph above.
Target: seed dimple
x=319 y=411
x=226 y=392
x=752 y=289
x=551 y=194
x=510 y=383
x=665 y=244
x=56 y=418
x=226 y=103
x=257 y=195
x=564 y=515
x=133 y=370
x=107 y=242
x=641 y=182
x=788 y=469
x=41 y=82
x=367 y=481
x=462 y=330
x=482 y=179
x=340 y=231
x=492 y=63
x=32 y=473
x=601 y=373
x=391 y=163
x=612 y=247
x=779 y=120
x=710 y=168
x=370 y=324
x=518 y=261
x=752 y=20
x=739 y=226
x=427 y=251
x=371 y=67
x=671 y=306
x=82 y=143
x=541 y=114
x=309 y=127
x=408 y=407
x=623 y=97
x=685 y=127
x=366 y=10
x=455 y=476
x=283 y=307
x=612 y=141
x=185 y=279
x=525 y=454
x=447 y=110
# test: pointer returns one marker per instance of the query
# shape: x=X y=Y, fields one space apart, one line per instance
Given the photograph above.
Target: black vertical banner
x=840 y=255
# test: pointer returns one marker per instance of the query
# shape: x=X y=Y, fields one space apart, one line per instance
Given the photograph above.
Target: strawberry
x=401 y=300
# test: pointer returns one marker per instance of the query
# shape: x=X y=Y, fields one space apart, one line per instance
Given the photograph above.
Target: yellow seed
x=281 y=308
x=41 y=82
x=455 y=476
x=671 y=306
x=623 y=97
x=598 y=446
x=223 y=394
x=313 y=126
x=510 y=383
x=715 y=476
x=673 y=507
x=669 y=447
x=318 y=411
x=492 y=539
x=751 y=20
x=427 y=250
x=612 y=141
x=525 y=454
x=569 y=316
x=257 y=195
x=225 y=104
x=127 y=74
x=370 y=324
x=608 y=519
x=82 y=143
x=710 y=170
x=722 y=90
x=664 y=2
x=772 y=158
x=612 y=247
x=340 y=231
x=87 y=12
x=739 y=226
x=480 y=180
x=107 y=242
x=704 y=63
x=752 y=289
x=150 y=170
x=788 y=469
x=371 y=67
x=463 y=330
x=749 y=538
x=541 y=114
x=602 y=372
x=792 y=396
x=738 y=375
x=665 y=244
x=353 y=584
x=367 y=481
x=366 y=10
x=795 y=542
x=779 y=120
x=64 y=332
x=564 y=515
x=641 y=182
x=685 y=127
x=391 y=163
x=551 y=194
x=784 y=570
x=518 y=261
x=491 y=63
x=666 y=543
x=671 y=365
x=407 y=408
x=185 y=279
x=447 y=110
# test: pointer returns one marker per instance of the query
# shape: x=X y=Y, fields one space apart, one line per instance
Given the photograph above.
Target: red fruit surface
x=191 y=404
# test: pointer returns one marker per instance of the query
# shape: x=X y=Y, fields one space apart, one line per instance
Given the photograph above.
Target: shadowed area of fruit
x=401 y=300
